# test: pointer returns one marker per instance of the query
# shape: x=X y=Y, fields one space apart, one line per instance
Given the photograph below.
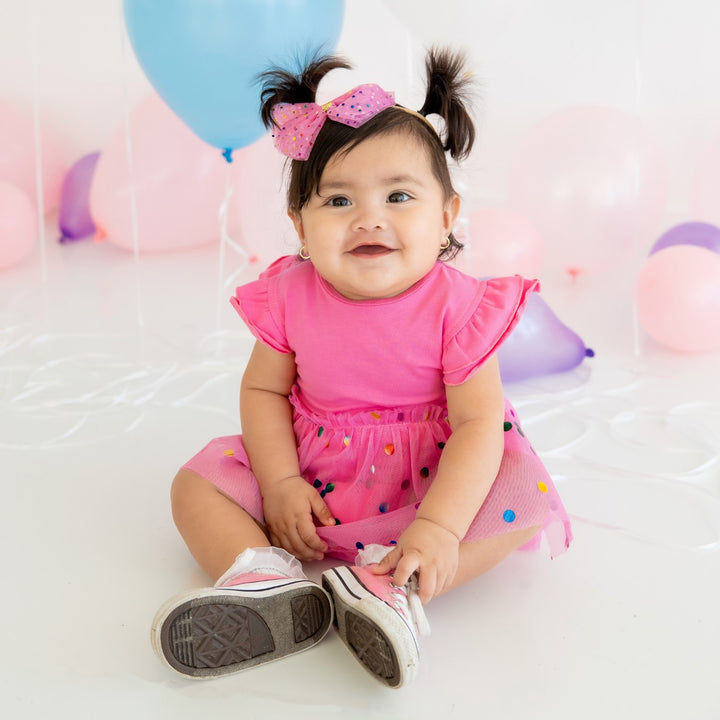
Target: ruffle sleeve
x=495 y=315
x=258 y=304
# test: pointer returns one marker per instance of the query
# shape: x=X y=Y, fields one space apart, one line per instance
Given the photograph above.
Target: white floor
x=98 y=410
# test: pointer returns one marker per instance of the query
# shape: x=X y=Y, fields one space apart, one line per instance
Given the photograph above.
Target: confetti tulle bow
x=298 y=124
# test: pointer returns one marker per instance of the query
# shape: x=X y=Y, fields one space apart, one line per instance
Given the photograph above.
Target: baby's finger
x=387 y=563
x=321 y=510
x=309 y=537
x=406 y=566
x=427 y=584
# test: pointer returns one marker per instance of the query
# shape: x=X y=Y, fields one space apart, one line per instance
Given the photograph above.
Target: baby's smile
x=370 y=250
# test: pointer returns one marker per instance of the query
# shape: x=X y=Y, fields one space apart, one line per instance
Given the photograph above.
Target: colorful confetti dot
x=389 y=449
x=317 y=483
x=507 y=426
x=376 y=415
x=229 y=453
x=329 y=487
x=441 y=445
x=346 y=440
x=424 y=472
x=337 y=521
x=321 y=430
x=509 y=516
x=359 y=545
x=405 y=485
x=542 y=487
x=383 y=507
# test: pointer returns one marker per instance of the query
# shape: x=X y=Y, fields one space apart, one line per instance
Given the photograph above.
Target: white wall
x=659 y=58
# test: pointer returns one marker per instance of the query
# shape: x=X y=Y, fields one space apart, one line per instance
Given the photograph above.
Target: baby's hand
x=289 y=506
x=427 y=548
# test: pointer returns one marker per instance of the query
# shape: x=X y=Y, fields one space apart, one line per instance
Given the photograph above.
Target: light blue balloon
x=203 y=56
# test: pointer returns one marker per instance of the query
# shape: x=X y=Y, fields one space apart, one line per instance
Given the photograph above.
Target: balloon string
x=38 y=141
x=225 y=242
x=131 y=175
x=638 y=72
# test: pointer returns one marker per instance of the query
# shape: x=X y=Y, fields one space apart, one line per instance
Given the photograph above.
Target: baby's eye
x=338 y=201
x=398 y=197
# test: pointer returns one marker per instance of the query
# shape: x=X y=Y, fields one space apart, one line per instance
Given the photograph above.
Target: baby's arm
x=468 y=467
x=266 y=415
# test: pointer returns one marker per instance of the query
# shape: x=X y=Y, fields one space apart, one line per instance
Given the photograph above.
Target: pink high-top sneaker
x=378 y=621
x=263 y=608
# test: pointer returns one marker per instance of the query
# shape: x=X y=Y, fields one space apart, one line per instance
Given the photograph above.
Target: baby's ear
x=452 y=210
x=297 y=222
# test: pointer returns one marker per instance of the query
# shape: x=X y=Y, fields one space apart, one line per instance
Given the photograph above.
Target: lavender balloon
x=74 y=219
x=701 y=234
x=540 y=345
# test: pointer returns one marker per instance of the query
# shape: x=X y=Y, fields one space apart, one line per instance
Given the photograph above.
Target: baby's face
x=375 y=225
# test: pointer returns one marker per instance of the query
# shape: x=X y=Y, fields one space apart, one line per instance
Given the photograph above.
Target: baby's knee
x=187 y=487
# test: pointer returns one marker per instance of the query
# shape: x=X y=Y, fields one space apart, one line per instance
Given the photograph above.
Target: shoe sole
x=209 y=633
x=372 y=630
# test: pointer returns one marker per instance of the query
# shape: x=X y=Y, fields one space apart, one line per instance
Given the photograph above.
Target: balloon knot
x=227 y=154
x=574 y=272
x=589 y=352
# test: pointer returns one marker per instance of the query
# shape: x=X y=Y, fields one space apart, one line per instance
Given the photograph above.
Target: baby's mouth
x=370 y=250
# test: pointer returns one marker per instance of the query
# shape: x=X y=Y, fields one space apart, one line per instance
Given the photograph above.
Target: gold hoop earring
x=445 y=244
x=304 y=254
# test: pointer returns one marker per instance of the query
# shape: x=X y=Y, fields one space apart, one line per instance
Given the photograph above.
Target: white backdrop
x=659 y=59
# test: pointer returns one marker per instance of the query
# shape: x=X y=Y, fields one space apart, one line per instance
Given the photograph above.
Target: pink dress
x=369 y=402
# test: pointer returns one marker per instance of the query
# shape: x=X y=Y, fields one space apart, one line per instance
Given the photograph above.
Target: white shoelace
x=417 y=611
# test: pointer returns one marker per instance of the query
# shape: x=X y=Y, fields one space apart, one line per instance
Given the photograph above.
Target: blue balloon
x=203 y=56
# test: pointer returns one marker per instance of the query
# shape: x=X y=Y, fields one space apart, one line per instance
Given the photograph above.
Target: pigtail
x=284 y=86
x=448 y=85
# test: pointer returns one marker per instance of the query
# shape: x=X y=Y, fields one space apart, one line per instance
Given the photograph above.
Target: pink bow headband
x=298 y=124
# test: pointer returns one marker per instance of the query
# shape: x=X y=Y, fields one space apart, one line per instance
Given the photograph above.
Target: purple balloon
x=701 y=234
x=540 y=345
x=74 y=219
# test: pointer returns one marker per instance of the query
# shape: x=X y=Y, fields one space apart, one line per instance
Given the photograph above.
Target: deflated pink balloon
x=177 y=181
x=540 y=344
x=592 y=181
x=17 y=156
x=18 y=225
x=502 y=242
x=678 y=298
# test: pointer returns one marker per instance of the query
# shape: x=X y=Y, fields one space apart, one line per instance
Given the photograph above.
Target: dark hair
x=447 y=84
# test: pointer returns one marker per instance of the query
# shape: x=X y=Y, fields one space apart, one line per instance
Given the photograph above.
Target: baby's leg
x=215 y=529
x=262 y=606
x=479 y=556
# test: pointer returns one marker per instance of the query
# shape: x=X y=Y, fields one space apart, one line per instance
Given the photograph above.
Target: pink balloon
x=678 y=298
x=264 y=226
x=705 y=186
x=18 y=225
x=178 y=182
x=502 y=242
x=17 y=156
x=591 y=181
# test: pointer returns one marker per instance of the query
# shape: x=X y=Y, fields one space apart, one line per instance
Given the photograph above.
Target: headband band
x=298 y=124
